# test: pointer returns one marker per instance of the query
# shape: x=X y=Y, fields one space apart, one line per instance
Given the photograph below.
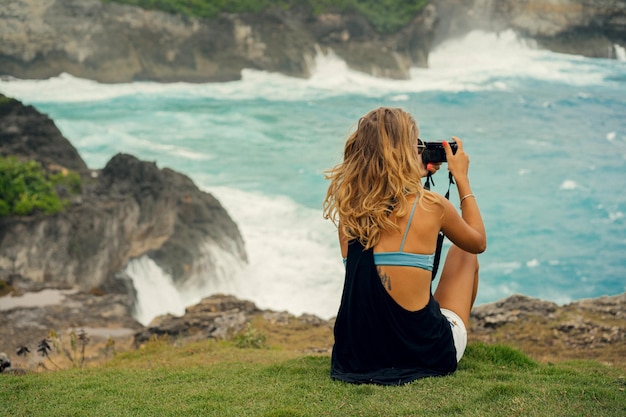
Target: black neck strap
x=429 y=181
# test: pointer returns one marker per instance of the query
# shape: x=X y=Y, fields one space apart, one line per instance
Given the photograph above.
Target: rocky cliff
x=129 y=209
x=590 y=28
x=111 y=42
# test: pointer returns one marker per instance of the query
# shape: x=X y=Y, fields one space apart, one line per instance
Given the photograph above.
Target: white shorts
x=459 y=332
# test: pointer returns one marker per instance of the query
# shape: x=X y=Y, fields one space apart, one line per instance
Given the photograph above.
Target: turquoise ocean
x=546 y=134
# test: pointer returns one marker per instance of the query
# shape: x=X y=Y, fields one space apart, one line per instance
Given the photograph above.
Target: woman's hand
x=431 y=168
x=458 y=163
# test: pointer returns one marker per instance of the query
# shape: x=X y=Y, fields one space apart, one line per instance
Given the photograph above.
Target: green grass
x=219 y=379
x=385 y=15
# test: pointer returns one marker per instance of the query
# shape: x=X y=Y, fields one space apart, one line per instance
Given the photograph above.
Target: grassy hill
x=210 y=378
x=279 y=366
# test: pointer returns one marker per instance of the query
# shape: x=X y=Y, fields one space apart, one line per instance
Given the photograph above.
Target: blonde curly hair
x=380 y=169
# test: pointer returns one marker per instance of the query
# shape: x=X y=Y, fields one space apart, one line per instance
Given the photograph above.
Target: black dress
x=376 y=340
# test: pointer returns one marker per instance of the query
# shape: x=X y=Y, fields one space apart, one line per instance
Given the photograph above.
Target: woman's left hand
x=432 y=167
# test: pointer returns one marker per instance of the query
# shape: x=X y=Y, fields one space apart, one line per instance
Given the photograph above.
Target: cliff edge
x=111 y=42
x=128 y=210
x=589 y=329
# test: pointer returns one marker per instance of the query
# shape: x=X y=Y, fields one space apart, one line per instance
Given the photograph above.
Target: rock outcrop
x=27 y=133
x=111 y=42
x=585 y=329
x=127 y=210
x=215 y=317
x=582 y=27
x=58 y=316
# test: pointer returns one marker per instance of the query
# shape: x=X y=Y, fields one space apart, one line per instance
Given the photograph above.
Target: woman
x=390 y=328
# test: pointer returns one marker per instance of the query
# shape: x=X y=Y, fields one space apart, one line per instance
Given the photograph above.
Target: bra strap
x=406 y=231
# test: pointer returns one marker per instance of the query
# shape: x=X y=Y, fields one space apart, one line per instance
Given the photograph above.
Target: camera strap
x=429 y=181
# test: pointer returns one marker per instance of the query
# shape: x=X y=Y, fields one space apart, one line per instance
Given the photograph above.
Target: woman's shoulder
x=431 y=197
x=434 y=203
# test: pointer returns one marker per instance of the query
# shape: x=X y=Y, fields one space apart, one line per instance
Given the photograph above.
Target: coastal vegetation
x=386 y=16
x=218 y=378
x=25 y=187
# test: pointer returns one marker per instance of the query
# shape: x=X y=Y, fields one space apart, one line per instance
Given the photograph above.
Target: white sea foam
x=291 y=265
x=568 y=185
x=67 y=88
x=493 y=291
x=156 y=292
x=480 y=61
x=505 y=268
x=620 y=52
x=181 y=151
x=400 y=97
x=533 y=263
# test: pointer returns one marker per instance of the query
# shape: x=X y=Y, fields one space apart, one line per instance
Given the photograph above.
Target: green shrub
x=385 y=15
x=250 y=338
x=70 y=180
x=205 y=8
x=6 y=100
x=25 y=188
x=5 y=288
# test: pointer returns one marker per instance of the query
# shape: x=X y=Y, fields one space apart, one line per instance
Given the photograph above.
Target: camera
x=434 y=152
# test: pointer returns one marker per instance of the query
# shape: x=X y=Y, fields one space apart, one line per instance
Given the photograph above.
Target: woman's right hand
x=468 y=230
x=458 y=163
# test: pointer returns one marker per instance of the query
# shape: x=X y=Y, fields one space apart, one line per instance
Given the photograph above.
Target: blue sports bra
x=401 y=258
